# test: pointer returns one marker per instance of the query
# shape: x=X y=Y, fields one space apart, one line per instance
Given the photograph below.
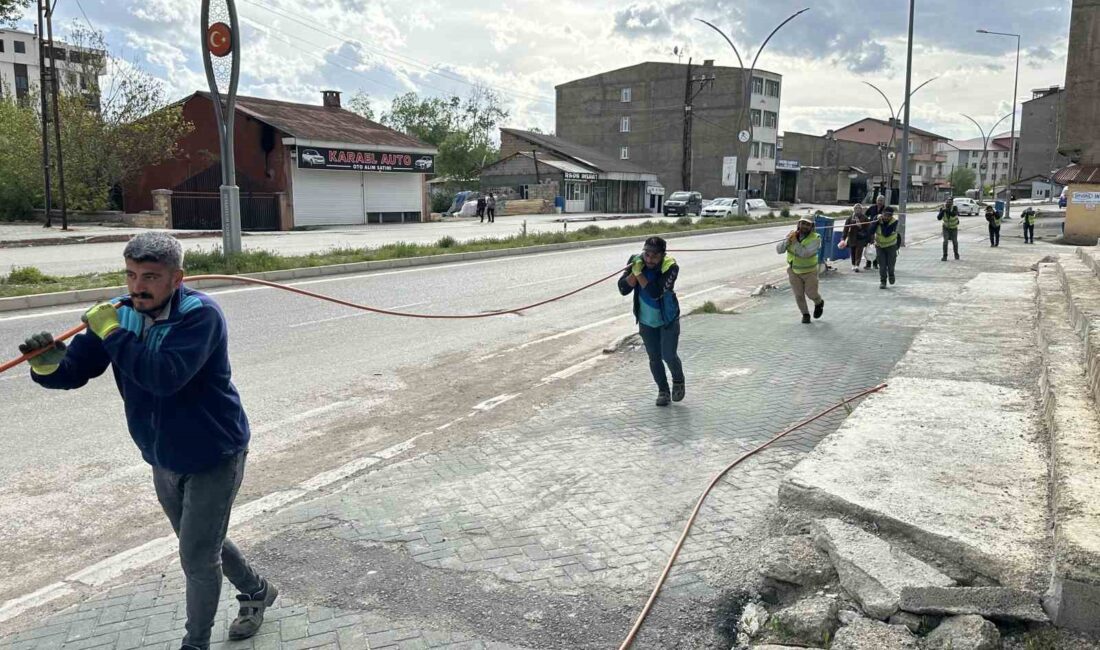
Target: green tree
x=962 y=179
x=360 y=105
x=20 y=160
x=462 y=129
x=11 y=10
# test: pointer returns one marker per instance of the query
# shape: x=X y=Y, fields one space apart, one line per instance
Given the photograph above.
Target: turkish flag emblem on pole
x=219 y=39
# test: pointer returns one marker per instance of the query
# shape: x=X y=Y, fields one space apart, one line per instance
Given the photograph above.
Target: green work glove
x=102 y=319
x=637 y=265
x=47 y=362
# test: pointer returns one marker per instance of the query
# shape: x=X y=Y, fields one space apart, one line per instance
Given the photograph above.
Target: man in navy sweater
x=167 y=347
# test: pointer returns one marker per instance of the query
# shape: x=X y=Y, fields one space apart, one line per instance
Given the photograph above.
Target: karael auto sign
x=357 y=160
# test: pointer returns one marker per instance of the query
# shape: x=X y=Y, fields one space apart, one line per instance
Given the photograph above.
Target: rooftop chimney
x=331 y=98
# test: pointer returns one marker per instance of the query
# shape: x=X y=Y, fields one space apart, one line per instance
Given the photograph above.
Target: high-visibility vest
x=1029 y=217
x=801 y=265
x=996 y=220
x=884 y=241
x=951 y=218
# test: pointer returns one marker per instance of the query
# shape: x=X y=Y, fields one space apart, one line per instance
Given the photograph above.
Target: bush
x=447 y=242
x=592 y=230
x=684 y=221
x=770 y=215
x=785 y=213
x=28 y=275
x=442 y=201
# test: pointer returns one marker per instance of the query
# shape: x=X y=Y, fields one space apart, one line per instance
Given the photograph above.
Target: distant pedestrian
x=801 y=246
x=491 y=207
x=168 y=348
x=1029 y=217
x=994 y=219
x=651 y=276
x=885 y=230
x=949 y=215
x=856 y=234
x=481 y=207
x=873 y=213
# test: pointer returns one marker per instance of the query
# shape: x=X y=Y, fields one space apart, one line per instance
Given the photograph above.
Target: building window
x=1 y=45
x=973 y=165
x=20 y=47
x=71 y=79
x=624 y=153
x=755 y=113
x=22 y=81
x=755 y=150
x=576 y=192
x=624 y=95
x=58 y=53
x=771 y=88
x=624 y=124
x=769 y=149
x=758 y=85
x=771 y=120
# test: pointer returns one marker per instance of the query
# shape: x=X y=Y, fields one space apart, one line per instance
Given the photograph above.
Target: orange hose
x=699 y=504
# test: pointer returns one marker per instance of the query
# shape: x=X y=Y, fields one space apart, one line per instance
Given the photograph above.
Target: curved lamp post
x=986 y=135
x=1012 y=149
x=894 y=131
x=743 y=162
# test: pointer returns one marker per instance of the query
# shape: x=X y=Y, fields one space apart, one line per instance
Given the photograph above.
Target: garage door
x=323 y=198
x=393 y=197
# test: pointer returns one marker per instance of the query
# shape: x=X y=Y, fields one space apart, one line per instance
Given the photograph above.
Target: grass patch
x=27 y=281
x=707 y=307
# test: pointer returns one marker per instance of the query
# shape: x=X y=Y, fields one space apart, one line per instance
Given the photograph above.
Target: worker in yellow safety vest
x=886 y=243
x=1029 y=225
x=994 y=219
x=801 y=246
x=949 y=215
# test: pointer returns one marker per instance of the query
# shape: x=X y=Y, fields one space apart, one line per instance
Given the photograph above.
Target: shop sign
x=580 y=176
x=787 y=165
x=358 y=160
x=1086 y=197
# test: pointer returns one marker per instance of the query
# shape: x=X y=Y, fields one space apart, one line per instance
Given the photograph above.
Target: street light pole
x=985 y=150
x=894 y=130
x=745 y=149
x=903 y=191
x=1012 y=135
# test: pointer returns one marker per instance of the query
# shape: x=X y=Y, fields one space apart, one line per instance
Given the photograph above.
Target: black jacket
x=663 y=290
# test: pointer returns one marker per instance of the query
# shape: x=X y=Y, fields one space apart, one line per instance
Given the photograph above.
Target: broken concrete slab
x=795 y=559
x=964 y=633
x=958 y=466
x=866 y=634
x=870 y=569
x=996 y=603
x=807 y=622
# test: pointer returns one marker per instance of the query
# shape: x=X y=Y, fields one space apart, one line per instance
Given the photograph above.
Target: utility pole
x=690 y=93
x=55 y=84
x=45 y=110
x=903 y=191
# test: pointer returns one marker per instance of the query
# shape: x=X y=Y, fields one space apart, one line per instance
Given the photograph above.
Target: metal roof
x=1077 y=174
x=312 y=122
x=597 y=160
x=563 y=165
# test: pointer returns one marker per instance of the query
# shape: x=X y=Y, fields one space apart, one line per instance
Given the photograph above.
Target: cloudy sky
x=523 y=48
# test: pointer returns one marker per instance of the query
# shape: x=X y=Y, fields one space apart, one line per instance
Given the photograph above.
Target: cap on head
x=157 y=247
x=888 y=210
x=806 y=219
x=655 y=244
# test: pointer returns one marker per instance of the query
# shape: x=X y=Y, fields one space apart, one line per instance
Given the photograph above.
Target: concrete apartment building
x=968 y=153
x=825 y=169
x=637 y=113
x=20 y=74
x=1044 y=118
x=927 y=171
x=1079 y=140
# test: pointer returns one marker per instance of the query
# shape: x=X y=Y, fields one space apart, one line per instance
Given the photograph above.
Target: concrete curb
x=40 y=300
x=97 y=239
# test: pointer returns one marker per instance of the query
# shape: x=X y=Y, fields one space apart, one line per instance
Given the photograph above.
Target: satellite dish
x=892 y=155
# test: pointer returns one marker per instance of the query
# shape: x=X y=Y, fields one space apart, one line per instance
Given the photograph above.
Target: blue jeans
x=660 y=345
x=198 y=506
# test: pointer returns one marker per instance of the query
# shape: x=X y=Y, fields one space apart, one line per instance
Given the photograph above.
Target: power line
x=403 y=59
x=82 y=12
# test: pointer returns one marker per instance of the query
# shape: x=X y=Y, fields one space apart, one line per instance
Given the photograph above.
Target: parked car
x=683 y=203
x=967 y=206
x=724 y=207
x=312 y=157
x=1062 y=200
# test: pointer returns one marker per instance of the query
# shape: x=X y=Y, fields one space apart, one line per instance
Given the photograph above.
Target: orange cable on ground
x=699 y=504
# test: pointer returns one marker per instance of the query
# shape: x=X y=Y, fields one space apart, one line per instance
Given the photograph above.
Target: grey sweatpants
x=198 y=506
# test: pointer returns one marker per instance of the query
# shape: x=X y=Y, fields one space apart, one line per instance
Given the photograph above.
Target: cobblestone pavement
x=548 y=533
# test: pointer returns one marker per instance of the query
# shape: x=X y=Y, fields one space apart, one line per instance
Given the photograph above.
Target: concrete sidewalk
x=549 y=532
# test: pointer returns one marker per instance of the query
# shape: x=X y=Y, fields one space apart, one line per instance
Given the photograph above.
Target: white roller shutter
x=393 y=192
x=325 y=198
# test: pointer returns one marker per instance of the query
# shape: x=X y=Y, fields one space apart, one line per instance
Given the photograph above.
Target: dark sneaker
x=868 y=265
x=251 y=614
x=662 y=398
x=678 y=392
x=956 y=256
x=805 y=318
x=856 y=269
x=891 y=279
x=819 y=309
x=882 y=286
x=189 y=647
x=943 y=259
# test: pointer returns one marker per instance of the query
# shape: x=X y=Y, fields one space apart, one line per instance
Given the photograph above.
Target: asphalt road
x=323 y=385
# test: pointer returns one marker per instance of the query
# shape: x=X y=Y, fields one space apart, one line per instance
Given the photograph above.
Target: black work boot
x=663 y=398
x=805 y=318
x=678 y=391
x=251 y=614
x=819 y=309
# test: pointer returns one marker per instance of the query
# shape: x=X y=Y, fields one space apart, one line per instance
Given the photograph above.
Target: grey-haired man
x=167 y=347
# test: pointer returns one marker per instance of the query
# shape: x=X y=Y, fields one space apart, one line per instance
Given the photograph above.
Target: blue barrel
x=559 y=202
x=999 y=206
x=829 y=239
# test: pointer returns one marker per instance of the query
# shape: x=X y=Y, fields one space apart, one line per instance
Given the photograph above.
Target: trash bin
x=999 y=206
x=824 y=227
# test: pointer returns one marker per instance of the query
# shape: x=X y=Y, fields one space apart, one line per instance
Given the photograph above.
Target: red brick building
x=297 y=165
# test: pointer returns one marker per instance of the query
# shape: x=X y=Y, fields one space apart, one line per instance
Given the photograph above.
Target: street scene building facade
x=21 y=75
x=989 y=160
x=927 y=174
x=534 y=165
x=637 y=113
x=297 y=165
x=1042 y=121
x=1080 y=139
x=825 y=169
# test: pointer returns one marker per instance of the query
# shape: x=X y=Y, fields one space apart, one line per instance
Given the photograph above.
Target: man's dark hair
x=656 y=243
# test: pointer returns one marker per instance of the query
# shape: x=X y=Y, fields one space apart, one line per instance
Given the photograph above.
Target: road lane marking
x=493 y=402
